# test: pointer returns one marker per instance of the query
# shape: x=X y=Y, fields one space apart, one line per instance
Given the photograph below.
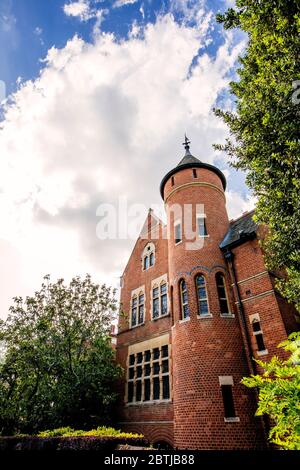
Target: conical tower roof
x=189 y=161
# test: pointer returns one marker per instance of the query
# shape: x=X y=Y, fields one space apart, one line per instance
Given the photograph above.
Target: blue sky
x=99 y=96
x=28 y=28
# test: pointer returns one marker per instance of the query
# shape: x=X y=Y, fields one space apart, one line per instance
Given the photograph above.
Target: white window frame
x=208 y=314
x=178 y=223
x=157 y=283
x=256 y=318
x=201 y=216
x=228 y=314
x=136 y=294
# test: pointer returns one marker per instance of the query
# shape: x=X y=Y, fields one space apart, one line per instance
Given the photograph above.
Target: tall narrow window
x=163 y=299
x=146 y=262
x=229 y=410
x=185 y=311
x=134 y=312
x=141 y=309
x=202 y=295
x=194 y=173
x=155 y=309
x=201 y=226
x=151 y=259
x=177 y=232
x=172 y=181
x=257 y=332
x=222 y=294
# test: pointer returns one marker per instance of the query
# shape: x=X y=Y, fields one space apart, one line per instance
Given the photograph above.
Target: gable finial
x=186 y=144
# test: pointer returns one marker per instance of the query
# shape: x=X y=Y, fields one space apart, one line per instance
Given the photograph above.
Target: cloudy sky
x=99 y=95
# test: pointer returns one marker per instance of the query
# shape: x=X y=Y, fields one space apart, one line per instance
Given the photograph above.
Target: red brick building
x=199 y=305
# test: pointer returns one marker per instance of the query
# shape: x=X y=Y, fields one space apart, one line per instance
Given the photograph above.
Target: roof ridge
x=244 y=214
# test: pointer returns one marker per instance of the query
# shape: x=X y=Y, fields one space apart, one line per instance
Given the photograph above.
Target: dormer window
x=148 y=256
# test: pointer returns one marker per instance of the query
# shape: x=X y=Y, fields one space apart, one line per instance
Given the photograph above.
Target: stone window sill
x=202 y=317
x=262 y=353
x=161 y=316
x=184 y=320
x=136 y=326
x=236 y=419
x=149 y=402
x=227 y=315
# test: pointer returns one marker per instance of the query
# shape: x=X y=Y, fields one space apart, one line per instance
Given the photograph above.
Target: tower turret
x=206 y=341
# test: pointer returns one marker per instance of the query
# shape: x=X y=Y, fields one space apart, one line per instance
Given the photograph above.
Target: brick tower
x=207 y=347
x=199 y=304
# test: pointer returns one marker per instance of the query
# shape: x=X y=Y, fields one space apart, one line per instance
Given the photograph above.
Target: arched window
x=202 y=295
x=185 y=311
x=222 y=294
x=148 y=256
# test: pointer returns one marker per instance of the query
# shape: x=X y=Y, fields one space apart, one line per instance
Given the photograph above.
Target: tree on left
x=58 y=367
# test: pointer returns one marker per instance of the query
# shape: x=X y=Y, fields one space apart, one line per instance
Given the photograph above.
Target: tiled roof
x=240 y=230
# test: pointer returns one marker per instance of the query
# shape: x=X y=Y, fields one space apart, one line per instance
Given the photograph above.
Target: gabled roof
x=242 y=229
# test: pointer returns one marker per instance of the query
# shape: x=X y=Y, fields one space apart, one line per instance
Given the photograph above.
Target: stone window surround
x=147 y=252
x=230 y=314
x=157 y=283
x=177 y=223
x=135 y=293
x=143 y=346
x=201 y=216
x=228 y=380
x=252 y=319
x=207 y=315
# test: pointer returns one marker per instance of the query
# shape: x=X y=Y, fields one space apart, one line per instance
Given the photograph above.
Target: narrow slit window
x=130 y=392
x=155 y=300
x=141 y=309
x=163 y=299
x=185 y=311
x=222 y=294
x=194 y=173
x=257 y=332
x=172 y=181
x=202 y=295
x=156 y=388
x=146 y=262
x=201 y=226
x=177 y=232
x=229 y=410
x=138 y=392
x=134 y=312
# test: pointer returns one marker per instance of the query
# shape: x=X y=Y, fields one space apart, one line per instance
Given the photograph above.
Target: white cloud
x=80 y=9
x=237 y=204
x=121 y=3
x=102 y=120
x=38 y=31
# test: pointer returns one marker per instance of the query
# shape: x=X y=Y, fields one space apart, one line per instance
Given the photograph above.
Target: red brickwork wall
x=206 y=348
x=203 y=349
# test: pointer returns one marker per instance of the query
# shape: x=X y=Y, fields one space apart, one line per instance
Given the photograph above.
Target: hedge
x=101 y=439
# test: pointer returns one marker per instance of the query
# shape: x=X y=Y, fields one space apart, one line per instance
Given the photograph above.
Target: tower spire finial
x=186 y=144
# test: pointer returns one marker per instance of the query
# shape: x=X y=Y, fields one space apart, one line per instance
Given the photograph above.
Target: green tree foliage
x=279 y=394
x=265 y=125
x=59 y=366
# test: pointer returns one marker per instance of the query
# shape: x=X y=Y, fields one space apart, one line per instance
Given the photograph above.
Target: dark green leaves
x=59 y=366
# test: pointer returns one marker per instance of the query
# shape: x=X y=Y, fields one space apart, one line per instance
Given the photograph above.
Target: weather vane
x=186 y=143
